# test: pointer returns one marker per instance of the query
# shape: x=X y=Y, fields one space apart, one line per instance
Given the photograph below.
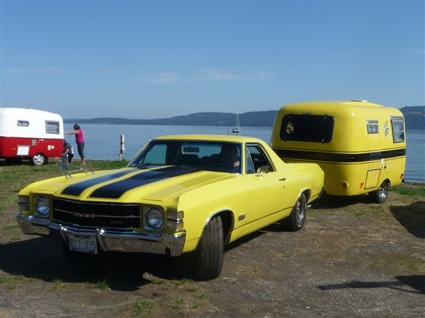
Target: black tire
x=210 y=251
x=381 y=194
x=296 y=220
x=39 y=159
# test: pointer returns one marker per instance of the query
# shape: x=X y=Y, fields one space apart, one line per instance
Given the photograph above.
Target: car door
x=267 y=187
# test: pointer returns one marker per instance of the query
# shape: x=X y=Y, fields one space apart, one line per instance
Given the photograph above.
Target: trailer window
x=312 y=128
x=23 y=123
x=52 y=127
x=372 y=127
x=398 y=129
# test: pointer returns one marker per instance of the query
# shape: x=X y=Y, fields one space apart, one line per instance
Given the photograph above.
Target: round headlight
x=154 y=219
x=42 y=206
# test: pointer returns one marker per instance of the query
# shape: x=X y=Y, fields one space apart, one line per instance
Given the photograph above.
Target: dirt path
x=352 y=259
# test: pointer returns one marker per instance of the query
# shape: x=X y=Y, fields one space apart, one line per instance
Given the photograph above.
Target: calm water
x=103 y=141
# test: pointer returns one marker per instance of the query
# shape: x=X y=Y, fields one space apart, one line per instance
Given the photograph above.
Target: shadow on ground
x=411 y=217
x=327 y=201
x=416 y=282
x=43 y=258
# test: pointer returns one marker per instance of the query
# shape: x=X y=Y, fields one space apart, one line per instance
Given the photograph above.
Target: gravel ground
x=352 y=259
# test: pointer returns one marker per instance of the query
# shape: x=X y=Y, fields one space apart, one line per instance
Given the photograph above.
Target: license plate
x=83 y=244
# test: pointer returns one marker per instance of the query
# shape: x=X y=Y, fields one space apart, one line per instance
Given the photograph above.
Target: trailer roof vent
x=359 y=100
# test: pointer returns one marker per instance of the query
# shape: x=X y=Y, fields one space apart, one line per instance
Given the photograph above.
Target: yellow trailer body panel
x=359 y=145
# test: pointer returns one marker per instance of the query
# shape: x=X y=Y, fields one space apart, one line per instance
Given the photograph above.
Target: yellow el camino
x=180 y=194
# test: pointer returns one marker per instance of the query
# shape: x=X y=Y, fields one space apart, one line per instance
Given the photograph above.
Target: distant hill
x=250 y=119
x=414 y=115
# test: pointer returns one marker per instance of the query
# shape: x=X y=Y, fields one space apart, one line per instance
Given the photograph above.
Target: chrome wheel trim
x=299 y=213
x=38 y=159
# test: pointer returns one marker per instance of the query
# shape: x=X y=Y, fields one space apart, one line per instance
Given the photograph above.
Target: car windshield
x=212 y=156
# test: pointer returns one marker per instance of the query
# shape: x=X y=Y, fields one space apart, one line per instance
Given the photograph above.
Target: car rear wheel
x=210 y=251
x=39 y=159
x=381 y=194
x=296 y=220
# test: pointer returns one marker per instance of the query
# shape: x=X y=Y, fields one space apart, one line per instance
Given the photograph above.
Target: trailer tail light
x=344 y=185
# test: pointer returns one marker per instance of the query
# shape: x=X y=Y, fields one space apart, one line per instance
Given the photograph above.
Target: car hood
x=132 y=184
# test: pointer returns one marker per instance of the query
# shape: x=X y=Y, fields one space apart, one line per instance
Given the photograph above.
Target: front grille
x=97 y=214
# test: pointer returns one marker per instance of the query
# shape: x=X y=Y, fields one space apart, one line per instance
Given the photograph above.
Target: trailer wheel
x=39 y=159
x=380 y=195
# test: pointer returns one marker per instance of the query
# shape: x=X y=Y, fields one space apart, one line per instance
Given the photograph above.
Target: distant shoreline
x=414 y=117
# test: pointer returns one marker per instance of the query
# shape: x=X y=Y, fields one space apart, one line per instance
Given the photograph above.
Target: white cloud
x=203 y=75
x=164 y=78
x=112 y=72
x=417 y=51
x=48 y=69
x=224 y=75
x=36 y=70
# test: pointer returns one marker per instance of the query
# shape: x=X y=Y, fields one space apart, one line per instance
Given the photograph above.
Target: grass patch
x=57 y=283
x=410 y=190
x=183 y=281
x=10 y=227
x=200 y=295
x=102 y=285
x=15 y=177
x=17 y=278
x=403 y=263
x=178 y=303
x=158 y=282
x=141 y=306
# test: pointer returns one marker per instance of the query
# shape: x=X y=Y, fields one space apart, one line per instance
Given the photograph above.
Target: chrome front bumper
x=108 y=240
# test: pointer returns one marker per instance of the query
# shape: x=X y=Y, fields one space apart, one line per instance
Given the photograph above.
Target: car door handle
x=282 y=179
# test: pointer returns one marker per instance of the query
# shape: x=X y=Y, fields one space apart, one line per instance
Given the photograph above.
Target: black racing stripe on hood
x=117 y=189
x=77 y=188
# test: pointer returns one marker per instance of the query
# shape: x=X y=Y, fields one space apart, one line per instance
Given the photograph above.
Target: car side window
x=259 y=158
x=249 y=164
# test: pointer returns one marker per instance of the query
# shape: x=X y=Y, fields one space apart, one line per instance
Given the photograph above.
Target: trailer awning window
x=311 y=128
x=52 y=127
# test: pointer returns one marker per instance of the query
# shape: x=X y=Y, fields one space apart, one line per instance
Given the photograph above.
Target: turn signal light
x=344 y=185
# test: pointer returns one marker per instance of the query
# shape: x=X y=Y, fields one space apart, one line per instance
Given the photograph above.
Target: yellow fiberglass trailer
x=360 y=146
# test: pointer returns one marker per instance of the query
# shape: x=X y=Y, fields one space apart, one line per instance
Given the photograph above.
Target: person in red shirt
x=79 y=139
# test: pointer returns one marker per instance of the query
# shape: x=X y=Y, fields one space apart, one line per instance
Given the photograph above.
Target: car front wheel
x=296 y=220
x=381 y=194
x=210 y=251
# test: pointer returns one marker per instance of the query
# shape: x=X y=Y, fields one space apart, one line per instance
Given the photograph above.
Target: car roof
x=202 y=137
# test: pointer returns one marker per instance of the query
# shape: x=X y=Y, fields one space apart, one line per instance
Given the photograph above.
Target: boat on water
x=237 y=130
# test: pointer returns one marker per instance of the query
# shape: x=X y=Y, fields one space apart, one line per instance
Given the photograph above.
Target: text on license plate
x=83 y=244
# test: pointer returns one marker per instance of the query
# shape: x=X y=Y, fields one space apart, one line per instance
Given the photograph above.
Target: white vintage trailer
x=30 y=134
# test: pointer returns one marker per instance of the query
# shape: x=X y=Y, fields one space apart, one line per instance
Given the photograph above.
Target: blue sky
x=158 y=59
